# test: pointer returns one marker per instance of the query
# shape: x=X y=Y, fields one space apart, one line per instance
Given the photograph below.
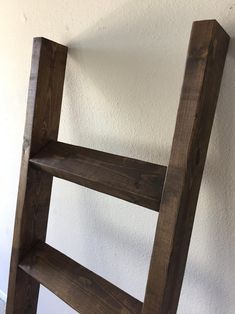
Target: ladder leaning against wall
x=171 y=190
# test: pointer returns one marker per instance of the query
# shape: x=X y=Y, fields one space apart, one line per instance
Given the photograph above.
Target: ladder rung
x=133 y=180
x=77 y=286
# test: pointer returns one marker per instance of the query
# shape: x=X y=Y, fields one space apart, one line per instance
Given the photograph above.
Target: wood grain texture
x=204 y=67
x=35 y=262
x=82 y=289
x=135 y=181
x=42 y=122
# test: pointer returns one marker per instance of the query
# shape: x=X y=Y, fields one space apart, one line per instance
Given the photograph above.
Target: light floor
x=2 y=307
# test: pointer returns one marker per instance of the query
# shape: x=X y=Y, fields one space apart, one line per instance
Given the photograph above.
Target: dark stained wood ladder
x=171 y=190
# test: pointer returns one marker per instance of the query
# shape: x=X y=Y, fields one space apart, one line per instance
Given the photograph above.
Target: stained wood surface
x=204 y=67
x=82 y=289
x=136 y=181
x=42 y=122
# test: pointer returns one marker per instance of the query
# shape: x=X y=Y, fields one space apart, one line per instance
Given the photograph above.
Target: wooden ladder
x=172 y=190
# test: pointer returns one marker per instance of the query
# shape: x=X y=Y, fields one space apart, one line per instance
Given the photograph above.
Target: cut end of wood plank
x=213 y=23
x=46 y=40
x=132 y=180
x=82 y=289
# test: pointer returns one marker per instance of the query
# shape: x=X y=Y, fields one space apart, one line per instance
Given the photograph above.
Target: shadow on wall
x=130 y=70
x=222 y=183
x=119 y=64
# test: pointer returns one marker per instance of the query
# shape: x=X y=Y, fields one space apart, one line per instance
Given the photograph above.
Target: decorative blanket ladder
x=172 y=190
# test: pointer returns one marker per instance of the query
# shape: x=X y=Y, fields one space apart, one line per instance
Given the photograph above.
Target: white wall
x=124 y=74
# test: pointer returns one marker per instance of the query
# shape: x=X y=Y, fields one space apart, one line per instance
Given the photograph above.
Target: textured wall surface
x=124 y=74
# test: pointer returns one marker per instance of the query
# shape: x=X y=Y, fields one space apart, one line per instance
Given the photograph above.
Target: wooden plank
x=80 y=288
x=136 y=181
x=42 y=122
x=204 y=67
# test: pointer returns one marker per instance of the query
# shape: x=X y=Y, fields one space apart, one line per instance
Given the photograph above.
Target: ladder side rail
x=204 y=67
x=42 y=123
